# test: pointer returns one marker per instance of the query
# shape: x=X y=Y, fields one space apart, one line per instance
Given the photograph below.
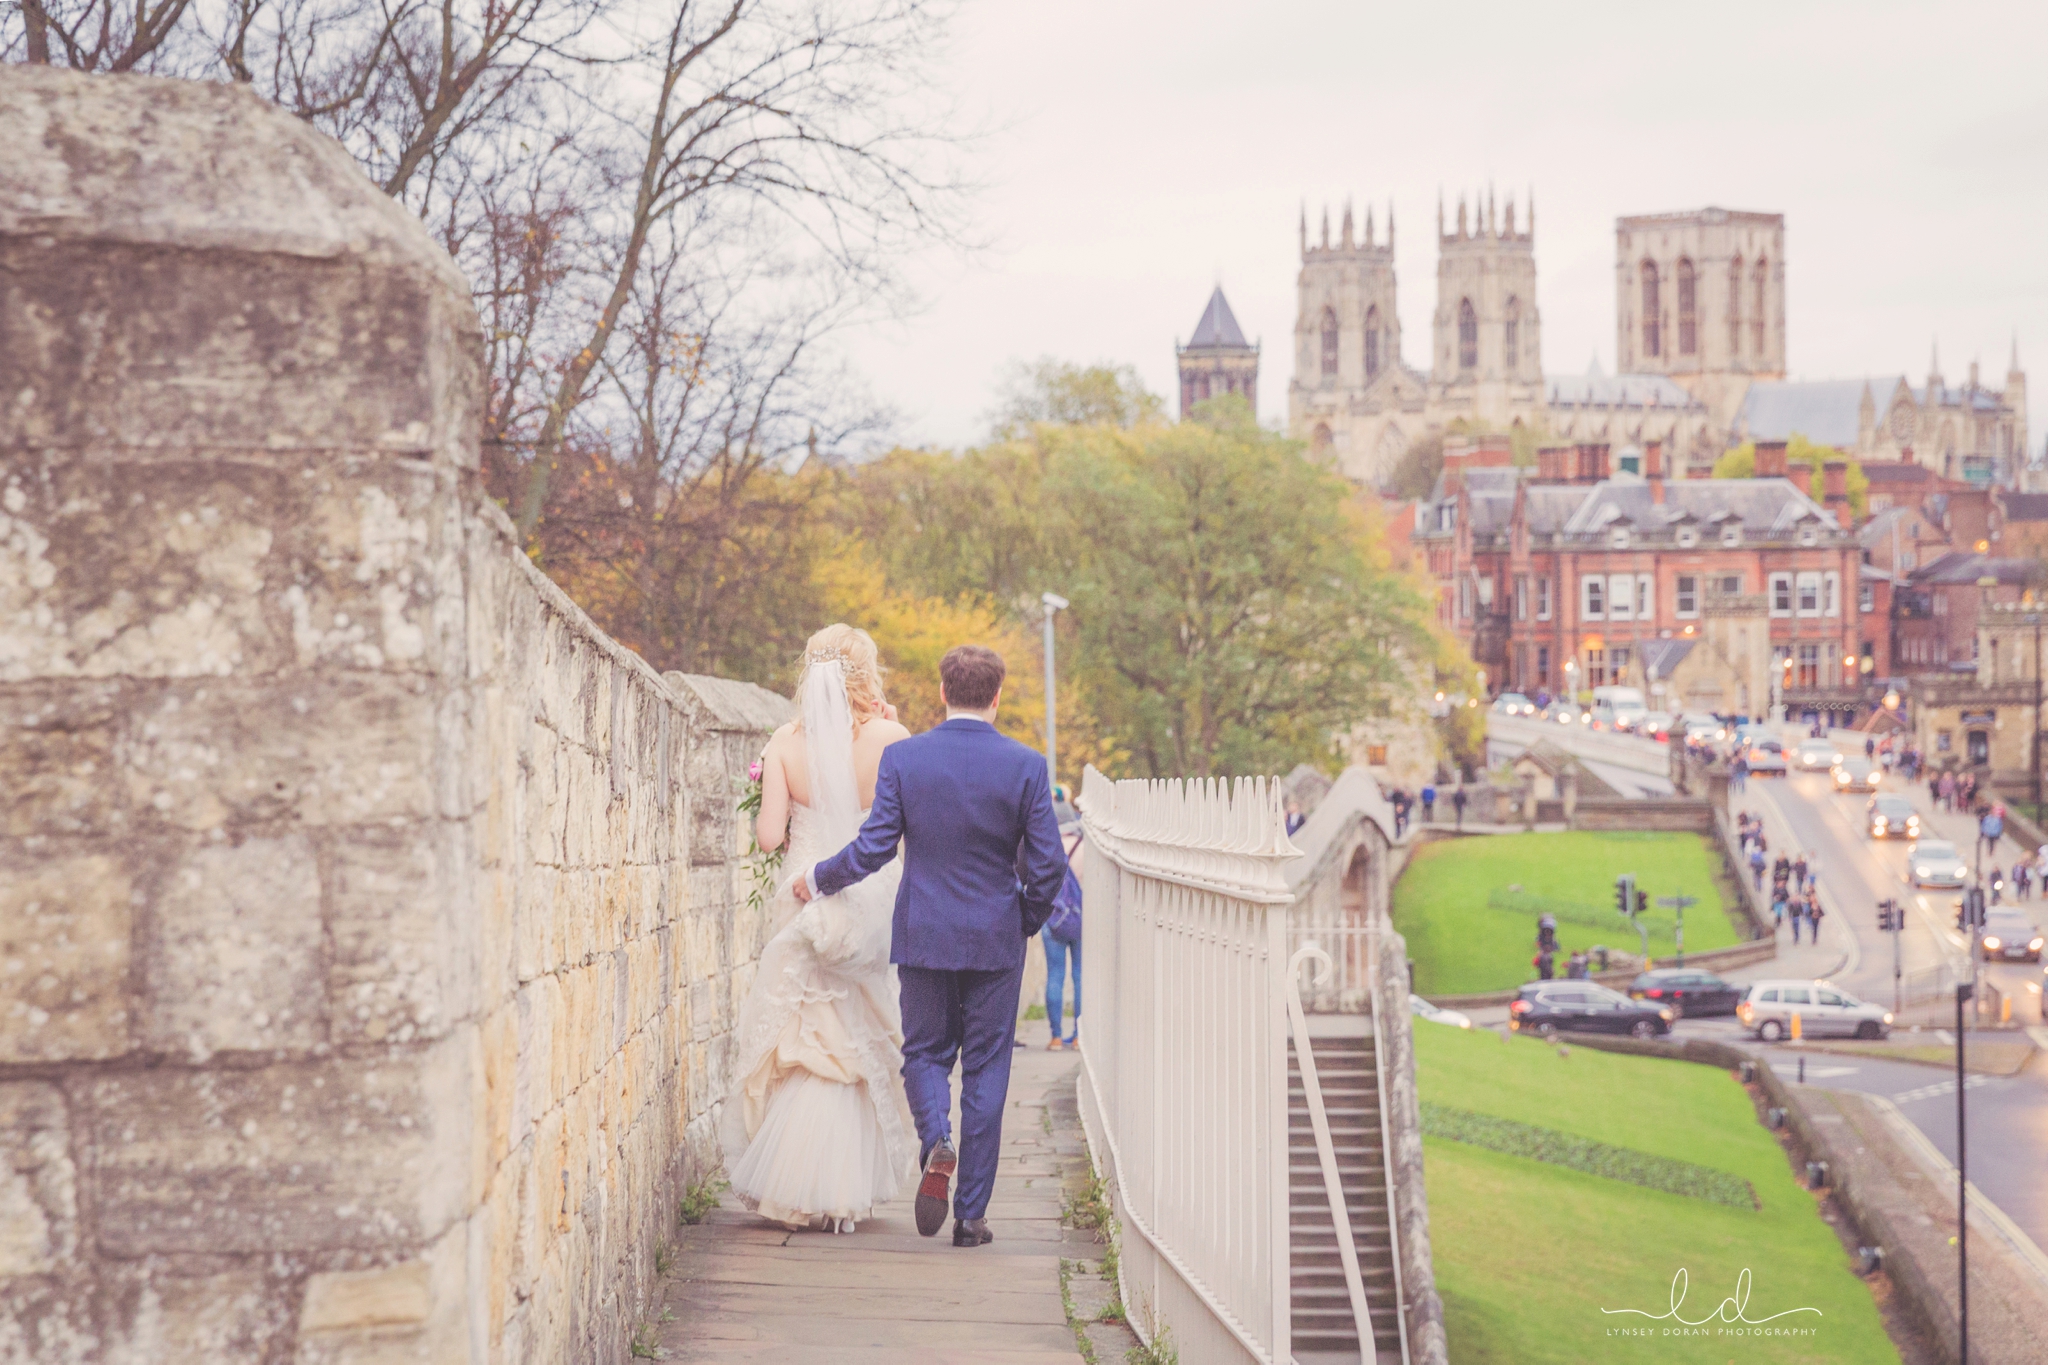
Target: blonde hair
x=855 y=649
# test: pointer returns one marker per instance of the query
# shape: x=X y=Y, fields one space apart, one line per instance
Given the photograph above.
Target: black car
x=1891 y=817
x=1585 y=1007
x=1688 y=991
x=2010 y=935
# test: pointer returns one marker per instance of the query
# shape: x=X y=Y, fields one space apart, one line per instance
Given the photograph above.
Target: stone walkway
x=745 y=1291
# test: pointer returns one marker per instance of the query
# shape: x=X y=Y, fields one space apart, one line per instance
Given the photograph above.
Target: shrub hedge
x=1583 y=1154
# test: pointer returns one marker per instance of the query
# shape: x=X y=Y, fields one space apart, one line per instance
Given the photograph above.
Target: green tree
x=1048 y=390
x=1740 y=463
x=1230 y=620
x=1414 y=474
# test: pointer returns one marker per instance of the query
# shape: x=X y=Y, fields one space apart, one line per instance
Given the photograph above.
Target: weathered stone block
x=65 y=929
x=233 y=960
x=38 y=1180
x=403 y=960
x=57 y=749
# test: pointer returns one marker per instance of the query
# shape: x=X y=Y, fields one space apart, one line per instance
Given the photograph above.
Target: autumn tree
x=1740 y=463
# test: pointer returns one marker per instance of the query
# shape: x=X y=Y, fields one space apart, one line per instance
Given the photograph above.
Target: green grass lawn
x=1528 y=1253
x=1463 y=945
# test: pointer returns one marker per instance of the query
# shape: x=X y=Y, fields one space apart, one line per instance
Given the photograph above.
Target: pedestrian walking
x=1778 y=907
x=1996 y=880
x=1756 y=866
x=1546 y=932
x=1295 y=819
x=1458 y=805
x=1062 y=939
x=1812 y=875
x=1869 y=746
x=1798 y=871
x=1428 y=803
x=1545 y=963
x=1738 y=774
x=1945 y=791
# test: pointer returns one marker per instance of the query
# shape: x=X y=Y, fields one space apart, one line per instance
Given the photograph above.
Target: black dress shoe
x=934 y=1192
x=971 y=1232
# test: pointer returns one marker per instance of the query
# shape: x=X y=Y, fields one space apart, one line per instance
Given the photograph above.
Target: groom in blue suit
x=982 y=861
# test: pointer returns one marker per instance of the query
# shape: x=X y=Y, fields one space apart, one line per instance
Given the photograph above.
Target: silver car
x=1823 y=1011
x=1935 y=862
x=1817 y=755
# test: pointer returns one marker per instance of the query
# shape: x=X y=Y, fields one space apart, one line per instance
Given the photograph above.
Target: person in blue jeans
x=1062 y=939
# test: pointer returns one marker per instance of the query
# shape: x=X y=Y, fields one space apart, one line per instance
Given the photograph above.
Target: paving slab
x=741 y=1290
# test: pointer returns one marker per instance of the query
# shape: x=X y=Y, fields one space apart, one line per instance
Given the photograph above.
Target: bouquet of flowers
x=762 y=866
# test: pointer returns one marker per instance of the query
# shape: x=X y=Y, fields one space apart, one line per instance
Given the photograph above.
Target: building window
x=1809 y=534
x=1468 y=335
x=1543 y=665
x=1486 y=591
x=1617 y=665
x=1831 y=599
x=1596 y=668
x=1464 y=599
x=1809 y=665
x=1447 y=516
x=1652 y=338
x=1376 y=755
x=1688 y=331
x=1781 y=594
x=1809 y=594
x=1866 y=599
x=1688 y=595
x=1646 y=598
x=1735 y=308
x=1687 y=538
x=1521 y=597
x=1731 y=584
x=1756 y=312
x=1372 y=341
x=1329 y=343
x=1511 y=335
x=1543 y=598
x=1593 y=597
x=1731 y=535
x=1621 y=597
x=1618 y=538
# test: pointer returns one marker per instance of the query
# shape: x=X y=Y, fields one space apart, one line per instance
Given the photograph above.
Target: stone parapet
x=371 y=919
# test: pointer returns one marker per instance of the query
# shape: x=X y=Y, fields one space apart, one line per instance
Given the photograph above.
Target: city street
x=2008 y=1116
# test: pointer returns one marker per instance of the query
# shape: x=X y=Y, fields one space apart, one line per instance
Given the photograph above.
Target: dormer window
x=1687 y=537
x=1618 y=538
x=1809 y=534
x=1447 y=516
x=1731 y=535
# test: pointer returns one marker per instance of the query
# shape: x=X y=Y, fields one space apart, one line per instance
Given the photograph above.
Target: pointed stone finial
x=1492 y=223
x=2013 y=366
x=1304 y=229
x=1326 y=227
x=1461 y=218
x=1532 y=210
x=1368 y=225
x=1508 y=227
x=1347 y=223
x=1439 y=212
x=1390 y=227
x=1934 y=363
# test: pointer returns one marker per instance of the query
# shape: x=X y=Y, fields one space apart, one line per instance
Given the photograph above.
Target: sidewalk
x=1837 y=951
x=743 y=1290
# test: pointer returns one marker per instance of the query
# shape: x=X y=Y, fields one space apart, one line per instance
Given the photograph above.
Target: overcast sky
x=1142 y=153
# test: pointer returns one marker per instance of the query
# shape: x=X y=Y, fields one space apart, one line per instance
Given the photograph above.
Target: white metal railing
x=1307 y=956
x=1344 y=983
x=1184 y=1056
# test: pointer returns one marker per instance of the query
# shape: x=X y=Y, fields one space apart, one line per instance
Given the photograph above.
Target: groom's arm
x=1041 y=856
x=876 y=843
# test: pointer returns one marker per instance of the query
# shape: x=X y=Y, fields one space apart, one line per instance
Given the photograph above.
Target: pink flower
x=754 y=773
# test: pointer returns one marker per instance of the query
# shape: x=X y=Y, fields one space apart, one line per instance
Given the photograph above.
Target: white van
x=1618 y=708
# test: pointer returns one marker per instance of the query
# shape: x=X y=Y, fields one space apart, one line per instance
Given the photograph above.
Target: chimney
x=1653 y=470
x=1551 y=464
x=1495 y=450
x=1456 y=457
x=1770 y=459
x=1906 y=455
x=1834 y=476
x=1592 y=461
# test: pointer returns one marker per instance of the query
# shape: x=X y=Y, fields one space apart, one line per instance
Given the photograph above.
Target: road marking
x=1947 y=1039
x=1819 y=1073
x=1939 y=1088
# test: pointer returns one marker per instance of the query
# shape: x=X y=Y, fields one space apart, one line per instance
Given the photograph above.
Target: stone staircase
x=1323 y=1325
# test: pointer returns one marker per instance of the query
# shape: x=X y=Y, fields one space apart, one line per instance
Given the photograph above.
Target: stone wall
x=369 y=922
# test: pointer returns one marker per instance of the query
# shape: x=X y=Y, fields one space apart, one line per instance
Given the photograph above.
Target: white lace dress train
x=816 y=1126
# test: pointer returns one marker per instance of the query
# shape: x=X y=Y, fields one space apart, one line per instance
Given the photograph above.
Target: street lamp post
x=1054 y=604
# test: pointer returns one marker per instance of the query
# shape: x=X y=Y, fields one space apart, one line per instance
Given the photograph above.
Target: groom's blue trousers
x=971 y=1016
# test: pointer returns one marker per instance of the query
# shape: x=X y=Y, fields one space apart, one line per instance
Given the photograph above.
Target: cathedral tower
x=1700 y=296
x=1217 y=359
x=1350 y=385
x=1486 y=362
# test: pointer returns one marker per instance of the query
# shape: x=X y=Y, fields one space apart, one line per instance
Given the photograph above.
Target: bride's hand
x=801 y=888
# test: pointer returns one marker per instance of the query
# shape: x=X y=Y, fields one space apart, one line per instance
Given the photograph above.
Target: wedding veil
x=828 y=741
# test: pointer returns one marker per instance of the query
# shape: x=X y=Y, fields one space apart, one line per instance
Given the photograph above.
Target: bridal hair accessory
x=827 y=656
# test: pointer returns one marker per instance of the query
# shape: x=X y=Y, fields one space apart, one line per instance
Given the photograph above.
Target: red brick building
x=1557 y=577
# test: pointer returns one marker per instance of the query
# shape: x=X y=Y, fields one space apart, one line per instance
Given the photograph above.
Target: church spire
x=1347 y=223
x=1369 y=233
x=1326 y=227
x=1304 y=229
x=1390 y=238
x=2013 y=366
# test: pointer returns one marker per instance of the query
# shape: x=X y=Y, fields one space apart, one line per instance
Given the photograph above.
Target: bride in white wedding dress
x=817 y=1132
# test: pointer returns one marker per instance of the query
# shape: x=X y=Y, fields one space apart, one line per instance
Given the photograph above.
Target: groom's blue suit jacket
x=982 y=857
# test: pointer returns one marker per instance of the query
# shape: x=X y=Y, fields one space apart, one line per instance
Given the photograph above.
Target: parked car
x=1655 y=725
x=1585 y=1007
x=1513 y=704
x=1704 y=730
x=1766 y=758
x=1817 y=755
x=1935 y=862
x=1857 y=774
x=1824 y=1010
x=1563 y=712
x=1690 y=992
x=1422 y=1009
x=2010 y=935
x=1891 y=817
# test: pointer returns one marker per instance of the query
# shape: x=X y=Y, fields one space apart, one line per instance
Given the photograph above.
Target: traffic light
x=1891 y=916
x=1624 y=895
x=1642 y=901
x=1973 y=907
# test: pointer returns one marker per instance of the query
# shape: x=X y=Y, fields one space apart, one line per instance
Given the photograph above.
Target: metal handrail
x=1326 y=1151
x=1379 y=1075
